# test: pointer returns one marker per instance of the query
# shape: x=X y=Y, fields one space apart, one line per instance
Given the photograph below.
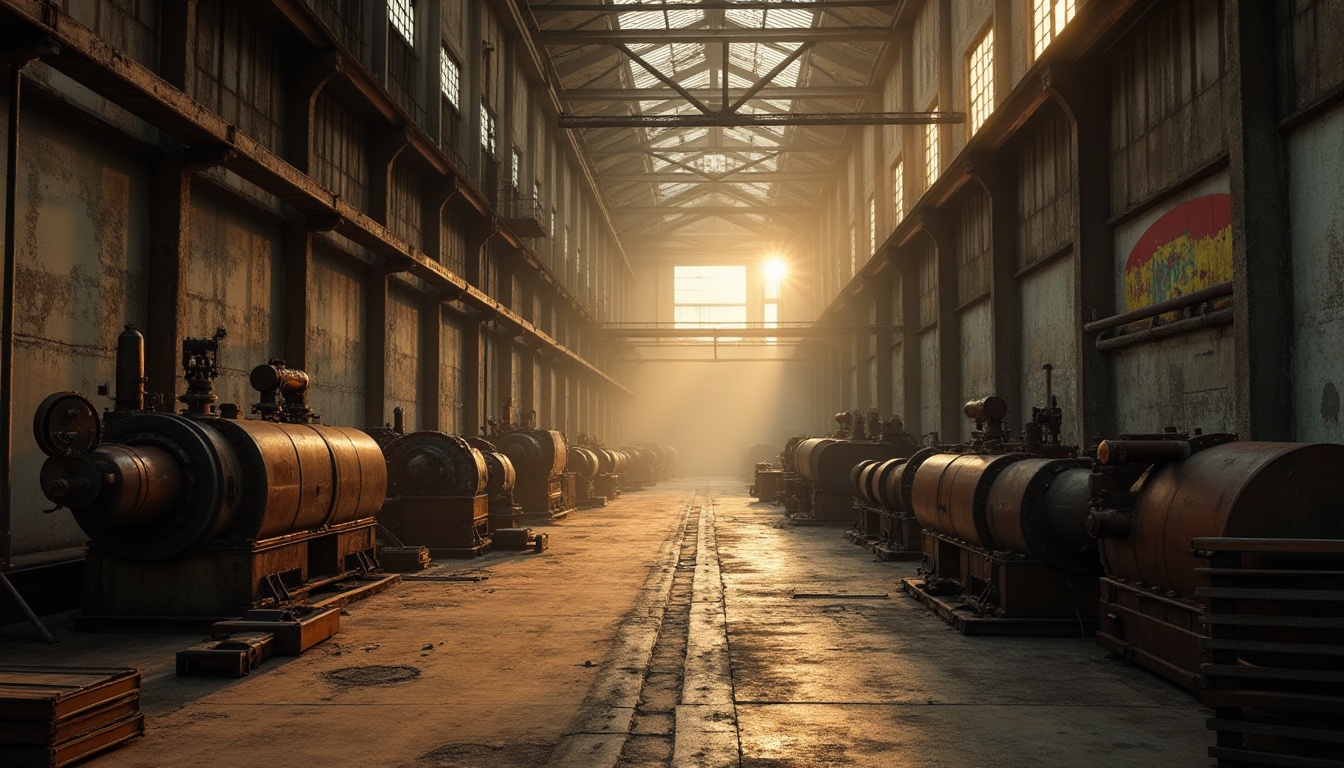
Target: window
x=450 y=76
x=516 y=171
x=853 y=252
x=898 y=189
x=770 y=307
x=872 y=223
x=982 y=79
x=1048 y=18
x=402 y=15
x=931 y=150
x=709 y=296
x=487 y=130
x=536 y=194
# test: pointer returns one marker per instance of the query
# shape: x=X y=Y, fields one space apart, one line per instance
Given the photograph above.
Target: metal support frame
x=777 y=119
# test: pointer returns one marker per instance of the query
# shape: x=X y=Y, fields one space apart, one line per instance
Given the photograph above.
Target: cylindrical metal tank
x=610 y=462
x=951 y=490
x=1239 y=489
x=162 y=485
x=1039 y=507
x=536 y=452
x=502 y=477
x=430 y=463
x=583 y=462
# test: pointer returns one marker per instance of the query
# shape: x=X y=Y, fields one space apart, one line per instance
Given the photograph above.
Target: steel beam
x=712 y=5
x=753 y=177
x=553 y=37
x=770 y=120
x=840 y=92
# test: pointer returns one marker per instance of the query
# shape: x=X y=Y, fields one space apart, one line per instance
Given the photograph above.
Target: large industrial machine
x=1153 y=494
x=539 y=457
x=610 y=468
x=203 y=513
x=503 y=511
x=437 y=494
x=583 y=466
x=824 y=464
x=1003 y=523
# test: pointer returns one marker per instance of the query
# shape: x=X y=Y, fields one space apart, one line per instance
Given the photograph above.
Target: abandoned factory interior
x=672 y=383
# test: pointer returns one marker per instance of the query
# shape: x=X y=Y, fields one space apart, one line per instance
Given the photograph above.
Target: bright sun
x=775 y=270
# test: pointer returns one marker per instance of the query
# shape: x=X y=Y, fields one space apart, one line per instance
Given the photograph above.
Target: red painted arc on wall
x=1188 y=248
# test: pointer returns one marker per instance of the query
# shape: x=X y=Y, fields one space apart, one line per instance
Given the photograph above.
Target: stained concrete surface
x=662 y=630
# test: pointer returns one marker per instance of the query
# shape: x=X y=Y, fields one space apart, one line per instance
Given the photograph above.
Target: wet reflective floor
x=685 y=625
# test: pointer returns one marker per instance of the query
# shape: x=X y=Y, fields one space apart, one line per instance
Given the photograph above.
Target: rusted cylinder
x=430 y=463
x=1239 y=489
x=951 y=491
x=1144 y=451
x=177 y=483
x=610 y=462
x=501 y=475
x=535 y=452
x=1039 y=507
x=583 y=462
x=130 y=370
x=275 y=378
x=802 y=455
x=986 y=408
x=829 y=461
x=887 y=483
x=860 y=478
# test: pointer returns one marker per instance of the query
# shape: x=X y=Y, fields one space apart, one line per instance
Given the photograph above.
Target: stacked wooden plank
x=1275 y=648
x=53 y=716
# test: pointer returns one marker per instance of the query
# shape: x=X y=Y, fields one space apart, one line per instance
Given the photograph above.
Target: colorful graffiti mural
x=1189 y=248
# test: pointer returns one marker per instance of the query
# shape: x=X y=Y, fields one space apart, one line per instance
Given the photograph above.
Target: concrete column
x=431 y=383
x=298 y=255
x=170 y=199
x=997 y=176
x=908 y=264
x=1262 y=298
x=1085 y=95
x=471 y=374
x=375 y=346
x=951 y=418
x=881 y=289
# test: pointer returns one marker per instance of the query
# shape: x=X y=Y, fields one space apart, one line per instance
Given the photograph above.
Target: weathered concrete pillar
x=177 y=53
x=950 y=366
x=471 y=374
x=375 y=346
x=996 y=175
x=431 y=381
x=1262 y=298
x=908 y=263
x=1085 y=96
x=384 y=147
x=298 y=257
x=880 y=290
x=170 y=199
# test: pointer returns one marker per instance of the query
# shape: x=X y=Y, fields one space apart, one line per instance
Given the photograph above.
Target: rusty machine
x=1153 y=494
x=884 y=525
x=437 y=494
x=539 y=457
x=203 y=513
x=1003 y=523
x=823 y=464
x=768 y=481
x=584 y=465
x=638 y=471
x=610 y=472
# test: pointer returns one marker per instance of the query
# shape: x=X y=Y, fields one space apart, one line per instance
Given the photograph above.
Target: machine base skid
x=295 y=630
x=963 y=618
x=519 y=539
x=404 y=559
x=607 y=486
x=1155 y=632
x=544 y=518
x=449 y=526
x=234 y=657
x=888 y=553
x=54 y=716
x=225 y=580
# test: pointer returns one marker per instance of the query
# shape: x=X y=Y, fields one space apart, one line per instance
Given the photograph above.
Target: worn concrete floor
x=672 y=628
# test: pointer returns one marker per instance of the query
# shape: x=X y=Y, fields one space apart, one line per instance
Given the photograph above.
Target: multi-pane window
x=872 y=222
x=898 y=189
x=536 y=194
x=450 y=76
x=709 y=296
x=487 y=130
x=516 y=169
x=982 y=79
x=931 y=150
x=402 y=15
x=1048 y=17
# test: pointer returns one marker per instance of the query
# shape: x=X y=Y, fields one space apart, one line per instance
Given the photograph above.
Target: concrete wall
x=82 y=232
x=1316 y=174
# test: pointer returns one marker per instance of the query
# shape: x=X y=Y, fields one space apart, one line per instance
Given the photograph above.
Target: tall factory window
x=898 y=189
x=402 y=15
x=773 y=272
x=853 y=252
x=1048 y=17
x=709 y=296
x=872 y=222
x=516 y=170
x=450 y=76
x=931 y=150
x=981 y=63
x=487 y=130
